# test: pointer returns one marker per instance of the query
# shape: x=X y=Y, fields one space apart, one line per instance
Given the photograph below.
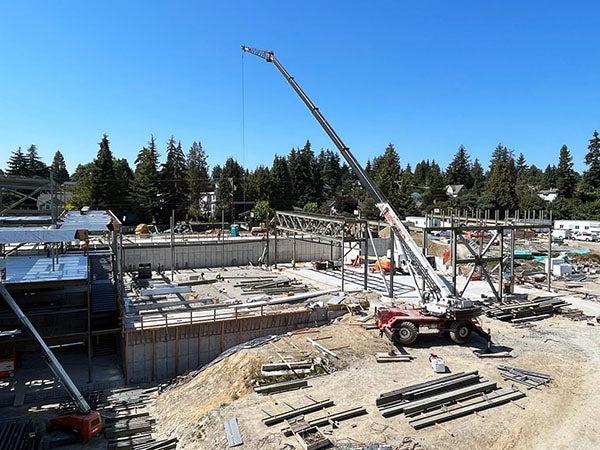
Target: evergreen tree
x=435 y=194
x=230 y=188
x=592 y=160
x=82 y=191
x=477 y=177
x=145 y=185
x=330 y=172
x=17 y=164
x=35 y=165
x=282 y=197
x=258 y=184
x=173 y=178
x=305 y=175
x=59 y=168
x=421 y=173
x=387 y=177
x=197 y=173
x=521 y=165
x=103 y=177
x=549 y=179
x=459 y=170
x=566 y=177
x=502 y=179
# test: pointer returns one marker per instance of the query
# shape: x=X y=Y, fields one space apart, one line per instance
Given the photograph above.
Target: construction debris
x=437 y=364
x=332 y=418
x=276 y=286
x=517 y=311
x=309 y=437
x=232 y=431
x=322 y=348
x=393 y=356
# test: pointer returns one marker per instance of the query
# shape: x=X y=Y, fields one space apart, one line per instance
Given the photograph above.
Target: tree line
x=316 y=182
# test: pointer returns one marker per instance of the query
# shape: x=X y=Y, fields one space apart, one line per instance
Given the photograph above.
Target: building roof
x=91 y=220
x=34 y=235
x=31 y=269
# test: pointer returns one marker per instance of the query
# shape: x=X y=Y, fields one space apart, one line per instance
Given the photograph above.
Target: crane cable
x=243 y=128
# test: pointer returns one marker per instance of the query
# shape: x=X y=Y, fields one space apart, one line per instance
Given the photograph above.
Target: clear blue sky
x=425 y=75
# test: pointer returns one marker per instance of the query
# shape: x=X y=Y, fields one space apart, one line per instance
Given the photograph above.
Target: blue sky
x=424 y=75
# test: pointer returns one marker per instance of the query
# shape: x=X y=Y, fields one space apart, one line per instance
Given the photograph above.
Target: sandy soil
x=561 y=415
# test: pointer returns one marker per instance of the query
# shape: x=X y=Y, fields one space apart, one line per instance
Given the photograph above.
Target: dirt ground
x=561 y=415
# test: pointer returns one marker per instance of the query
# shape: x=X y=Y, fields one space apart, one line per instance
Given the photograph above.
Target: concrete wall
x=161 y=354
x=236 y=252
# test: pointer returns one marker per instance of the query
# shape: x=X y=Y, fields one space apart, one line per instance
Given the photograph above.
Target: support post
x=267 y=257
x=392 y=262
x=512 y=260
x=366 y=259
x=89 y=321
x=342 y=267
x=222 y=239
x=501 y=266
x=275 y=243
x=172 y=243
x=549 y=258
x=453 y=257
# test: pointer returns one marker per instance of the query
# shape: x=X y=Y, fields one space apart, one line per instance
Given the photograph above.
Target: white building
x=548 y=195
x=581 y=226
x=208 y=203
x=419 y=221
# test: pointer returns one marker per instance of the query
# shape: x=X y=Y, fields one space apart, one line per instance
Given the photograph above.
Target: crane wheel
x=405 y=333
x=460 y=332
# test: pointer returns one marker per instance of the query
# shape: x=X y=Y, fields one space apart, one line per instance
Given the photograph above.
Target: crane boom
x=437 y=297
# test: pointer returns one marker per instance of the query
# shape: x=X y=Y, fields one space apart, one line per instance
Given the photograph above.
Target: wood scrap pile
x=129 y=425
x=446 y=398
x=273 y=286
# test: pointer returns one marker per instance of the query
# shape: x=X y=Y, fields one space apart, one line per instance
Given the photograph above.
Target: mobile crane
x=85 y=422
x=441 y=308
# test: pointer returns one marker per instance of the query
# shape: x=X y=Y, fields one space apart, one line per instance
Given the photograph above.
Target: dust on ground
x=561 y=415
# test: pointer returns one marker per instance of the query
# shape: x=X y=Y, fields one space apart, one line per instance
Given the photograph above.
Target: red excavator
x=86 y=422
x=441 y=307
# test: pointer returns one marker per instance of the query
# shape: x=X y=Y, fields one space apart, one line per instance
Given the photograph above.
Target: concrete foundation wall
x=163 y=353
x=237 y=252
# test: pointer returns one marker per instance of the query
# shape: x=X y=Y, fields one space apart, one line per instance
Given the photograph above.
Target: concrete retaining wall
x=163 y=353
x=235 y=252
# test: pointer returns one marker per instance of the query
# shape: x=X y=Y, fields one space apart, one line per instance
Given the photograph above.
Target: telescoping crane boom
x=86 y=421
x=437 y=298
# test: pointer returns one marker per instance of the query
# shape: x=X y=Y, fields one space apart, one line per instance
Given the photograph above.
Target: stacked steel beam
x=435 y=401
x=523 y=311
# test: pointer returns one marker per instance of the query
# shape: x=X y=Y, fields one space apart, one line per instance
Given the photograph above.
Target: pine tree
x=502 y=179
x=521 y=165
x=103 y=177
x=124 y=176
x=477 y=177
x=305 y=175
x=566 y=177
x=197 y=173
x=387 y=172
x=330 y=172
x=59 y=168
x=258 y=184
x=174 y=187
x=230 y=188
x=421 y=173
x=145 y=185
x=459 y=170
x=82 y=191
x=592 y=160
x=549 y=178
x=282 y=196
x=17 y=164
x=36 y=166
x=435 y=194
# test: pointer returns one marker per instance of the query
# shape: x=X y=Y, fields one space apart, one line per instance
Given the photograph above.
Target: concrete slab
x=31 y=269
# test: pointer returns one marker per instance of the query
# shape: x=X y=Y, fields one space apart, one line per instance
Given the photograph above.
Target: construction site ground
x=563 y=414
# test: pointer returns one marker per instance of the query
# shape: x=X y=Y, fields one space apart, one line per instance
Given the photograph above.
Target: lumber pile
x=444 y=399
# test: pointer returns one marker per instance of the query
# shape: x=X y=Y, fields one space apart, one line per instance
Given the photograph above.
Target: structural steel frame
x=461 y=222
x=328 y=230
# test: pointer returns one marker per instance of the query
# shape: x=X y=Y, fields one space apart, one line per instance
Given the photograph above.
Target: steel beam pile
x=17 y=434
x=517 y=312
x=284 y=386
x=532 y=380
x=430 y=402
x=281 y=285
